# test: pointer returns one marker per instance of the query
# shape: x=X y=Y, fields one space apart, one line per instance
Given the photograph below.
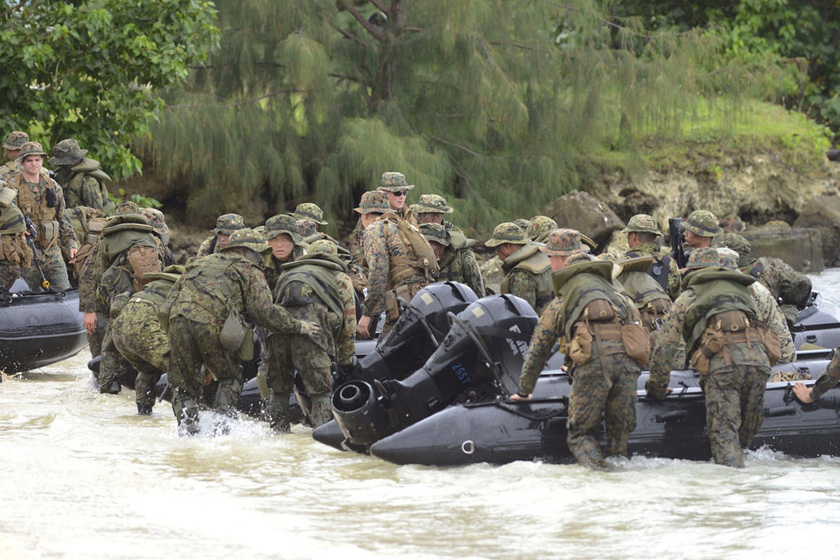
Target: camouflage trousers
x=595 y=394
x=734 y=410
x=138 y=337
x=191 y=346
x=95 y=339
x=8 y=274
x=52 y=263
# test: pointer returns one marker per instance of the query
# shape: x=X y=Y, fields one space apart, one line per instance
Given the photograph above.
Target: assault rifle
x=676 y=238
x=30 y=240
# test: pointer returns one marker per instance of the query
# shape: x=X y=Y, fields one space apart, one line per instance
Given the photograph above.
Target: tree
x=95 y=70
x=497 y=105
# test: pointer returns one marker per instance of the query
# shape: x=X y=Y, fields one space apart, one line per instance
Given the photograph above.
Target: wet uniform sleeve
x=87 y=281
x=357 y=250
x=668 y=343
x=260 y=307
x=521 y=284
x=828 y=378
x=548 y=329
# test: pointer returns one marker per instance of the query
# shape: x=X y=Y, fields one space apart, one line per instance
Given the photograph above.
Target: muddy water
x=85 y=477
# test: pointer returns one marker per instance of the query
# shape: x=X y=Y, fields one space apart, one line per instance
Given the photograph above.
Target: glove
x=655 y=392
x=312 y=330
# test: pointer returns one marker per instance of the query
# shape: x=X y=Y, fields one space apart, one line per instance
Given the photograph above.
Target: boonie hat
x=323 y=246
x=702 y=223
x=393 y=182
x=701 y=258
x=374 y=201
x=305 y=228
x=564 y=242
x=540 y=225
x=156 y=220
x=15 y=140
x=229 y=223
x=67 y=152
x=281 y=224
x=728 y=257
x=310 y=211
x=30 y=149
x=642 y=223
x=507 y=232
x=249 y=239
x=431 y=204
x=436 y=233
x=738 y=244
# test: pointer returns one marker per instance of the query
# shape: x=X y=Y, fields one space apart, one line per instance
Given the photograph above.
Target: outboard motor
x=480 y=359
x=422 y=325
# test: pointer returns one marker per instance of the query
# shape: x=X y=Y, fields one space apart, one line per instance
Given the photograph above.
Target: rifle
x=676 y=238
x=30 y=240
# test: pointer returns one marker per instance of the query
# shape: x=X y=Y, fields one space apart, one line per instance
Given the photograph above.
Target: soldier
x=791 y=289
x=430 y=209
x=138 y=335
x=15 y=254
x=700 y=229
x=281 y=234
x=539 y=227
x=827 y=379
x=527 y=269
x=313 y=288
x=311 y=212
x=214 y=295
x=395 y=185
x=81 y=178
x=587 y=316
x=126 y=252
x=15 y=140
x=717 y=317
x=42 y=200
x=650 y=297
x=226 y=224
x=456 y=263
x=159 y=228
x=642 y=231
x=400 y=260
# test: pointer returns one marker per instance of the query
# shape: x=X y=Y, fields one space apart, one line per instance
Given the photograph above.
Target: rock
x=801 y=248
x=583 y=212
x=823 y=214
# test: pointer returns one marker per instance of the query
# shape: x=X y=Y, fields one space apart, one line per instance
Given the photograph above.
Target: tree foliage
x=94 y=70
x=496 y=105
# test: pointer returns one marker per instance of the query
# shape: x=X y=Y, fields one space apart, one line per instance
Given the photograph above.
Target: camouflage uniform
x=44 y=204
x=156 y=219
x=664 y=265
x=604 y=384
x=735 y=383
x=313 y=288
x=227 y=224
x=539 y=228
x=528 y=272
x=138 y=335
x=274 y=226
x=200 y=302
x=81 y=178
x=15 y=254
x=457 y=263
x=828 y=378
x=13 y=143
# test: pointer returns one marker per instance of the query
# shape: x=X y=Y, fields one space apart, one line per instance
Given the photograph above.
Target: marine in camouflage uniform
x=138 y=335
x=226 y=225
x=393 y=183
x=539 y=227
x=715 y=316
x=642 y=231
x=42 y=200
x=210 y=289
x=400 y=260
x=603 y=383
x=13 y=143
x=81 y=178
x=457 y=263
x=313 y=288
x=15 y=254
x=527 y=270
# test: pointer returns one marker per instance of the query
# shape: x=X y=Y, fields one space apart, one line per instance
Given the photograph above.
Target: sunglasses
x=400 y=193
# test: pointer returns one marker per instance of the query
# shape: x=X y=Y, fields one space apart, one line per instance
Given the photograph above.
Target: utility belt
x=653 y=313
x=728 y=328
x=404 y=291
x=48 y=233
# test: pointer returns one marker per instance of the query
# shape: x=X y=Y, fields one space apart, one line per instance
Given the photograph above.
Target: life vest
x=132 y=250
x=582 y=283
x=157 y=290
x=311 y=279
x=530 y=259
x=13 y=247
x=650 y=297
x=73 y=188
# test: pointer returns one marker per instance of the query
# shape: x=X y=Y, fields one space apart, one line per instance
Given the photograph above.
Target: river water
x=85 y=477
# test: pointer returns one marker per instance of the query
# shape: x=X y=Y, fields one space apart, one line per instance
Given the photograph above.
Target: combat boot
x=144 y=409
x=186 y=412
x=320 y=411
x=279 y=414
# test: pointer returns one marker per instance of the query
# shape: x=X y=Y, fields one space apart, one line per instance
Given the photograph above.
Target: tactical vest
x=581 y=284
x=530 y=259
x=317 y=272
x=422 y=261
x=41 y=208
x=157 y=290
x=659 y=269
x=13 y=247
x=717 y=290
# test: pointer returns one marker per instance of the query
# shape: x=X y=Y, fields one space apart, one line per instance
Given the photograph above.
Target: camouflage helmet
x=15 y=140
x=30 y=149
x=229 y=223
x=539 y=225
x=156 y=220
x=393 y=182
x=702 y=223
x=374 y=201
x=701 y=258
x=282 y=224
x=127 y=207
x=563 y=242
x=305 y=228
x=67 y=152
x=642 y=223
x=323 y=246
x=436 y=233
x=738 y=244
x=507 y=232
x=309 y=211
x=728 y=257
x=249 y=239
x=431 y=204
